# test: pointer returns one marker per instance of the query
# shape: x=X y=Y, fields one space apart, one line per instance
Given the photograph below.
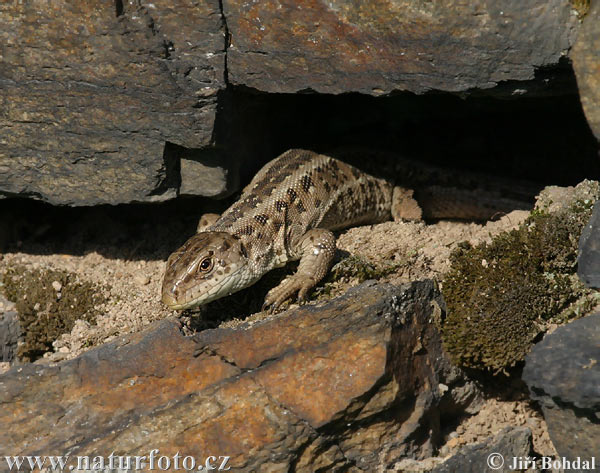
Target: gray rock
x=586 y=63
x=588 y=259
x=92 y=94
x=494 y=454
x=10 y=331
x=563 y=375
x=379 y=47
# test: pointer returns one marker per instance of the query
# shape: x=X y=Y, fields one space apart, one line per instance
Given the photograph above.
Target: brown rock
x=379 y=47
x=586 y=62
x=350 y=384
x=90 y=93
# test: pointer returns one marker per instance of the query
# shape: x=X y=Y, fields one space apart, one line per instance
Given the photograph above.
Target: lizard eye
x=206 y=265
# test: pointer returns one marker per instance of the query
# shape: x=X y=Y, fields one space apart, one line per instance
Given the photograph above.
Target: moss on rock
x=501 y=295
x=48 y=303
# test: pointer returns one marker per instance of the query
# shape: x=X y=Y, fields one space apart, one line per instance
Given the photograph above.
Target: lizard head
x=210 y=265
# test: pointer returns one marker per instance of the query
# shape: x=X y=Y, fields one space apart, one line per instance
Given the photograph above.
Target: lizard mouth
x=201 y=294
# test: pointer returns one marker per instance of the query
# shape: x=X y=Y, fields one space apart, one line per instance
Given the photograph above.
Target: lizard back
x=301 y=190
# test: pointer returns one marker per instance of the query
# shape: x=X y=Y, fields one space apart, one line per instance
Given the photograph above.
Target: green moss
x=44 y=312
x=501 y=295
x=582 y=7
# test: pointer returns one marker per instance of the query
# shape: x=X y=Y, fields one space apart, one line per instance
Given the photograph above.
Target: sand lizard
x=288 y=212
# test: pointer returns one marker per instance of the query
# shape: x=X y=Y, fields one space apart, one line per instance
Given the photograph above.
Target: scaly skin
x=286 y=213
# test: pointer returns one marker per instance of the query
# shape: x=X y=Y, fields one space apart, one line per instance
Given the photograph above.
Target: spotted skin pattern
x=286 y=213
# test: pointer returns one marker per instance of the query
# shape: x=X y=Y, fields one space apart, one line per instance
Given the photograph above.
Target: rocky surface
x=93 y=95
x=495 y=454
x=10 y=331
x=349 y=385
x=130 y=101
x=563 y=375
x=588 y=260
x=379 y=47
x=586 y=62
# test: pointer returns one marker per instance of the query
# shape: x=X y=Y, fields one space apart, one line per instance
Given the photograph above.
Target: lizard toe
x=287 y=289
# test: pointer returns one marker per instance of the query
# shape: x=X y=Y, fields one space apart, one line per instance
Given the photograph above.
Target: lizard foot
x=287 y=288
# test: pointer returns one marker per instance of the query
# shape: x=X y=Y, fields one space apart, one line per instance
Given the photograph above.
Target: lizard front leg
x=315 y=250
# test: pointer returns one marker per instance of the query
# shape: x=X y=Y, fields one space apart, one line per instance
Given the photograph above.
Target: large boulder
x=563 y=375
x=586 y=62
x=402 y=45
x=94 y=97
x=346 y=386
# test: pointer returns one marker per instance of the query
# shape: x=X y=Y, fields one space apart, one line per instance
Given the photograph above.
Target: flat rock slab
x=91 y=92
x=347 y=385
x=494 y=454
x=376 y=48
x=563 y=374
x=586 y=62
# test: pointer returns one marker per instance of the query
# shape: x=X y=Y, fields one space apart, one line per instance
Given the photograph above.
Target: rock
x=493 y=454
x=10 y=330
x=586 y=63
x=346 y=386
x=588 y=260
x=95 y=98
x=563 y=375
x=380 y=47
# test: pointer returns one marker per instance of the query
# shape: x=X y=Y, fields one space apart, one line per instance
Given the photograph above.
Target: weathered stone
x=203 y=173
x=588 y=260
x=91 y=92
x=379 y=47
x=10 y=330
x=493 y=454
x=349 y=385
x=586 y=62
x=563 y=375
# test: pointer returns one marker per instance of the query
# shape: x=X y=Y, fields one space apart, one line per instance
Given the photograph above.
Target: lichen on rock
x=502 y=294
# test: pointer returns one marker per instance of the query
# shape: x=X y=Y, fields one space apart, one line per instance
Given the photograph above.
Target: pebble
x=141 y=279
x=56 y=285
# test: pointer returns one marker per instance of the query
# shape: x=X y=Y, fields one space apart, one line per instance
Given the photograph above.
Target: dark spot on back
x=327 y=186
x=262 y=219
x=301 y=207
x=292 y=193
x=306 y=182
x=318 y=203
x=277 y=224
x=280 y=205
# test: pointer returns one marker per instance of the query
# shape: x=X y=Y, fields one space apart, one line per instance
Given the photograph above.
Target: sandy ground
x=128 y=264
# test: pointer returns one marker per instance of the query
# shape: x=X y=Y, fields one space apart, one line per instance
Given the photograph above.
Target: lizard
x=288 y=212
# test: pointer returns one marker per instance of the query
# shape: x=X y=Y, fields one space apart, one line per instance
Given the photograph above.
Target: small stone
x=56 y=285
x=141 y=279
x=64 y=350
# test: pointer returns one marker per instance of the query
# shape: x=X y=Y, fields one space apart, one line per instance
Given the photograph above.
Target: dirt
x=120 y=252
